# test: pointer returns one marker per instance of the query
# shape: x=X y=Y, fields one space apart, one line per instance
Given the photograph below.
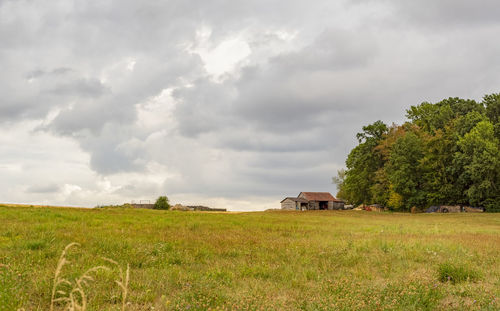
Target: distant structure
x=374 y=208
x=312 y=201
x=177 y=207
x=142 y=205
x=206 y=208
x=454 y=209
x=198 y=208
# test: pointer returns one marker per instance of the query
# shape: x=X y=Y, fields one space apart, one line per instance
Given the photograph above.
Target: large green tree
x=437 y=167
x=404 y=170
x=479 y=154
x=362 y=163
x=447 y=153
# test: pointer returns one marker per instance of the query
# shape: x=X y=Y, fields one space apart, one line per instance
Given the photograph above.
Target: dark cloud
x=203 y=107
x=44 y=188
x=81 y=88
x=37 y=73
x=291 y=93
x=449 y=13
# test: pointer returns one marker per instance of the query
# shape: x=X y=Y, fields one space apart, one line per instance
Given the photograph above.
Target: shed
x=294 y=204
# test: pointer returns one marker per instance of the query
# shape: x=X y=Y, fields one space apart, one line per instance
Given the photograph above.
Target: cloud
x=224 y=102
x=82 y=88
x=449 y=13
x=44 y=188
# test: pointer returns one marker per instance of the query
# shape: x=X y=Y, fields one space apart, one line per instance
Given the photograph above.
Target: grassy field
x=331 y=260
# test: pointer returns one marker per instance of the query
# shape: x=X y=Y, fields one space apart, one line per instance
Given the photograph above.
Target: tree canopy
x=162 y=203
x=446 y=153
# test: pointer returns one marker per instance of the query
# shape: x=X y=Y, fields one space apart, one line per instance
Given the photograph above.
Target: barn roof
x=295 y=200
x=319 y=196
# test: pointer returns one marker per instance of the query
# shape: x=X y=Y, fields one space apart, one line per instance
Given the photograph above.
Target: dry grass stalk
x=75 y=299
x=57 y=276
x=123 y=282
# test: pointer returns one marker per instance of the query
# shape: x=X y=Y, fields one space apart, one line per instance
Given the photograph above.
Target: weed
x=36 y=245
x=456 y=273
x=123 y=281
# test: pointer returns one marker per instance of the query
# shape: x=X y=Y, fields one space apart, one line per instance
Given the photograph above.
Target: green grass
x=331 y=260
x=450 y=272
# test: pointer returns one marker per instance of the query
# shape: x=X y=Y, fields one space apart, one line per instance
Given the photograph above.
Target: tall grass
x=123 y=281
x=71 y=295
x=330 y=260
x=456 y=273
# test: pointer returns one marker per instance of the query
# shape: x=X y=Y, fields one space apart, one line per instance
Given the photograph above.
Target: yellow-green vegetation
x=323 y=260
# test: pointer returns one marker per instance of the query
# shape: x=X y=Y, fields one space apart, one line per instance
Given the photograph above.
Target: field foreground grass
x=328 y=260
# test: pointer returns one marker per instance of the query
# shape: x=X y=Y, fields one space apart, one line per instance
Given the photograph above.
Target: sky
x=226 y=103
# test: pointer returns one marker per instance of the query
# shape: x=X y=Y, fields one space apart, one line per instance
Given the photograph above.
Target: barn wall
x=313 y=205
x=336 y=205
x=288 y=204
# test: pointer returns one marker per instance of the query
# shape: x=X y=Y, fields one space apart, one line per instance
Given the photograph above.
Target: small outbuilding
x=290 y=203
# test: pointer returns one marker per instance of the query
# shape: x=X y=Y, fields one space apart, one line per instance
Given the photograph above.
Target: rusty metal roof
x=319 y=196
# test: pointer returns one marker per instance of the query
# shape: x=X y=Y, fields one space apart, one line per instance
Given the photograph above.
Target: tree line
x=446 y=153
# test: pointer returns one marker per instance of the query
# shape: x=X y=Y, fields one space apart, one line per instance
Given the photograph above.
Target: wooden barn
x=312 y=201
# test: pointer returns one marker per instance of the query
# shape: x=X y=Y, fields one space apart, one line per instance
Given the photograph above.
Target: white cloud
x=223 y=57
x=156 y=113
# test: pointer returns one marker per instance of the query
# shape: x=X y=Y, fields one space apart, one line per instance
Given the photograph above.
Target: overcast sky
x=232 y=104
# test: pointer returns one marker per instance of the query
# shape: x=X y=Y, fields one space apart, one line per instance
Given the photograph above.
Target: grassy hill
x=331 y=260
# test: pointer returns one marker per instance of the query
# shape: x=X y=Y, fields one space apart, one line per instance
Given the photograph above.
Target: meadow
x=317 y=260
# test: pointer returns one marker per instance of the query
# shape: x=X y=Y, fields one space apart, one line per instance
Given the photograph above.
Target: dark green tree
x=480 y=156
x=362 y=163
x=492 y=104
x=437 y=168
x=461 y=107
x=430 y=117
x=162 y=203
x=404 y=170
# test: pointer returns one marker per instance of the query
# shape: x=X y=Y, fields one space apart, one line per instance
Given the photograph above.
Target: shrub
x=456 y=273
x=492 y=206
x=162 y=203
